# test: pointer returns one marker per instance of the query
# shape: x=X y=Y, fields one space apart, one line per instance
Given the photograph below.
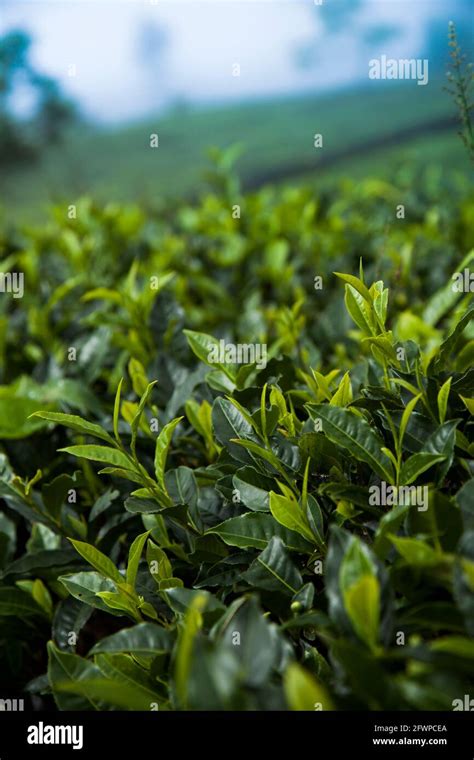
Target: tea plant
x=187 y=528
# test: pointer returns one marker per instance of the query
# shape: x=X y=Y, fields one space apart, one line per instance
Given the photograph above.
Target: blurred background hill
x=265 y=75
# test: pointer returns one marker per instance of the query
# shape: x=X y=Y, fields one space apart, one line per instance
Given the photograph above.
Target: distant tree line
x=23 y=138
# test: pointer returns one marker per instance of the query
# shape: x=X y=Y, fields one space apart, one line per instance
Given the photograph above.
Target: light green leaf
x=289 y=514
x=362 y=602
x=360 y=311
x=134 y=555
x=468 y=403
x=381 y=303
x=259 y=451
x=189 y=629
x=40 y=594
x=161 y=450
x=158 y=562
x=255 y=529
x=117 y=600
x=443 y=396
x=117 y=409
x=384 y=346
x=100 y=454
x=109 y=691
x=138 y=376
x=343 y=395
x=85 y=586
x=303 y=691
x=98 y=560
x=76 y=423
x=357 y=284
x=203 y=346
x=138 y=415
x=118 y=472
x=415 y=552
x=407 y=412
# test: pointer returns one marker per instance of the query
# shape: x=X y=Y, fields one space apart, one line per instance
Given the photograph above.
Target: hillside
x=367 y=130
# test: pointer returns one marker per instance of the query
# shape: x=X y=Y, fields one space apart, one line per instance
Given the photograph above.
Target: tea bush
x=237 y=458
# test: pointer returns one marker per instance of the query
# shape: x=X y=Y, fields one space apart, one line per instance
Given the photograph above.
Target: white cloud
x=206 y=38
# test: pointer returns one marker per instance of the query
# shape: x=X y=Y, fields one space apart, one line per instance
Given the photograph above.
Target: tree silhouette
x=23 y=139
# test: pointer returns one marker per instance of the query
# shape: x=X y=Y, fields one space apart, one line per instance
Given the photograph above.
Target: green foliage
x=274 y=149
x=293 y=533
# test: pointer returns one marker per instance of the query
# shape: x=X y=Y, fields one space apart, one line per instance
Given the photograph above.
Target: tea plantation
x=236 y=467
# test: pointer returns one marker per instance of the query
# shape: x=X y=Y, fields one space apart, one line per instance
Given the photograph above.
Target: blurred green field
x=370 y=131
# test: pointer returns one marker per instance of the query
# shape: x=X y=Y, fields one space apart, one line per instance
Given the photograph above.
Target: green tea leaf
x=135 y=423
x=77 y=424
x=100 y=454
x=360 y=311
x=415 y=552
x=74 y=670
x=85 y=586
x=355 y=434
x=117 y=409
x=141 y=639
x=362 y=602
x=17 y=603
x=189 y=629
x=303 y=691
x=443 y=396
x=343 y=395
x=255 y=529
x=449 y=345
x=98 y=560
x=161 y=450
x=251 y=486
x=274 y=570
x=357 y=284
x=416 y=465
x=134 y=556
x=289 y=514
x=128 y=675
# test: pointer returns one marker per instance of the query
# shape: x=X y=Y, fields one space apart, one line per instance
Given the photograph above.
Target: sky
x=124 y=59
